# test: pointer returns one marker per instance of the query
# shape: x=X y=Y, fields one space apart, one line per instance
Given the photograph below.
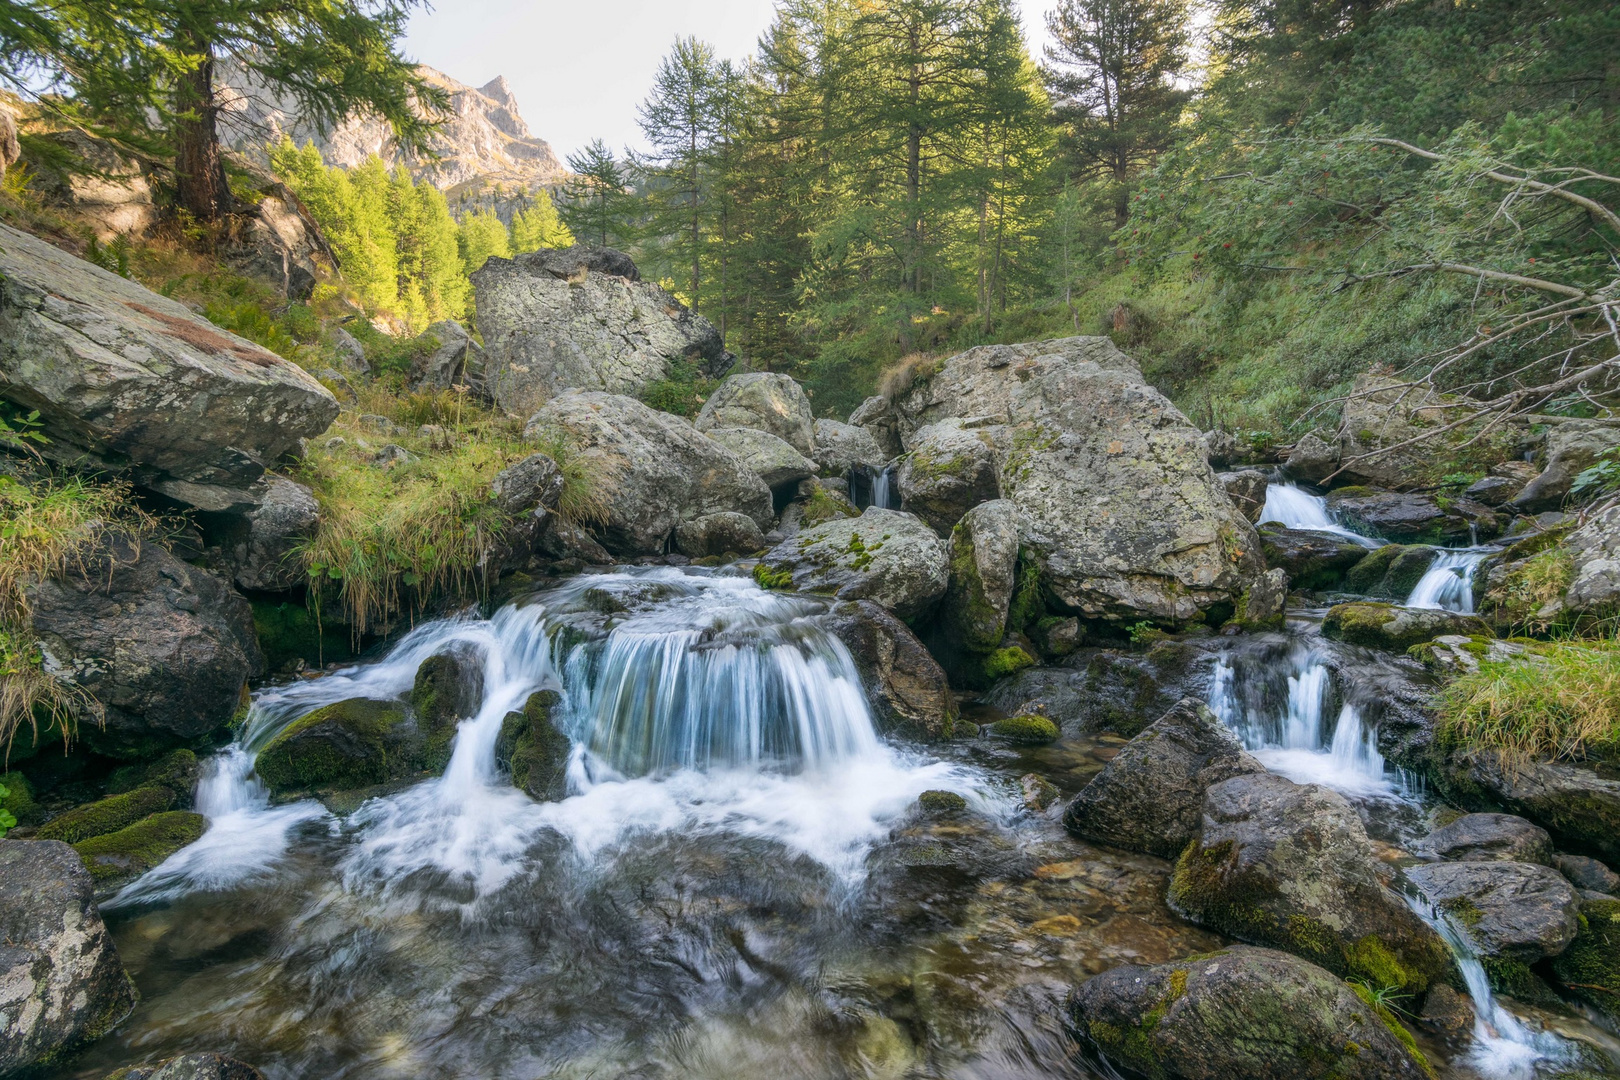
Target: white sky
x=579 y=68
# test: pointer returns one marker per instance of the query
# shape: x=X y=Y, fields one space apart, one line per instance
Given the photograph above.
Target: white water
x=1449 y=583
x=1292 y=508
x=882 y=495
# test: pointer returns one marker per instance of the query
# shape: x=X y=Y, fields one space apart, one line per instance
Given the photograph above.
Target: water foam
x=1448 y=585
x=1292 y=508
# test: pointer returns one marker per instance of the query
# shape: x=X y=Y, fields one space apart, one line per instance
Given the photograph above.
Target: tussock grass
x=1558 y=702
x=907 y=372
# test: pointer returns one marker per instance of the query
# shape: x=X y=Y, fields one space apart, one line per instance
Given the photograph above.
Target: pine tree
x=482 y=235
x=598 y=206
x=680 y=121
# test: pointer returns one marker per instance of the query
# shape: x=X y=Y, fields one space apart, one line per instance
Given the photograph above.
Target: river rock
x=1312 y=459
x=1573 y=446
x=1403 y=517
x=983 y=575
x=1488 y=838
x=164 y=647
x=130 y=381
x=653 y=470
x=1395 y=629
x=718 y=534
x=1579 y=808
x=842 y=447
x=1312 y=560
x=448 y=689
x=948 y=471
x=905 y=686
x=764 y=401
x=114 y=859
x=457 y=361
x=1587 y=874
x=1512 y=910
x=1247 y=490
x=1150 y=797
x=533 y=750
x=340 y=747
x=1290 y=865
x=581 y=318
x=62 y=981
x=1262 y=606
x=534 y=481
x=1239 y=1013
x=192 y=1067
x=771 y=459
x=261 y=546
x=884 y=555
x=1390 y=572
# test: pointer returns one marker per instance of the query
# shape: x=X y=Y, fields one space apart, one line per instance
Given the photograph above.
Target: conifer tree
x=539 y=226
x=598 y=206
x=482 y=235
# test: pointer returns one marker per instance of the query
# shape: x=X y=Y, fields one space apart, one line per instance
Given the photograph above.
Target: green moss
x=1027 y=604
x=176 y=770
x=1590 y=967
x=291 y=632
x=941 y=802
x=768 y=578
x=107 y=815
x=440 y=701
x=19 y=798
x=1390 y=572
x=132 y=851
x=823 y=506
x=1029 y=729
x=1008 y=661
x=532 y=748
x=1463 y=910
x=1388 y=1018
x=1515 y=979
x=343 y=745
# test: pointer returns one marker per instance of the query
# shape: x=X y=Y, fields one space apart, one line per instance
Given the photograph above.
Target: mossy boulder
x=534 y=750
x=949 y=470
x=1393 y=628
x=941 y=803
x=1241 y=1012
x=1312 y=560
x=1590 y=968
x=905 y=686
x=107 y=815
x=1579 y=808
x=1029 y=730
x=448 y=689
x=983 y=575
x=122 y=856
x=1509 y=910
x=885 y=556
x=345 y=745
x=177 y=770
x=1390 y=572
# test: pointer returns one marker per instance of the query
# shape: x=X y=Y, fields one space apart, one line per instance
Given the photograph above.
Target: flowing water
x=1449 y=582
x=1293 y=508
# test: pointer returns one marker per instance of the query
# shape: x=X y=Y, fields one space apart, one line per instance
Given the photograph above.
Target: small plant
x=8 y=820
x=1381 y=997
x=1144 y=633
x=20 y=433
x=1603 y=478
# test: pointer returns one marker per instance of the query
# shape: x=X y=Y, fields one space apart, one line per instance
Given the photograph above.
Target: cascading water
x=1449 y=583
x=1292 y=508
x=883 y=490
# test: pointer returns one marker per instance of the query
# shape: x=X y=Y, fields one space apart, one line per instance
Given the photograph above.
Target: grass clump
x=682 y=392
x=907 y=372
x=1559 y=701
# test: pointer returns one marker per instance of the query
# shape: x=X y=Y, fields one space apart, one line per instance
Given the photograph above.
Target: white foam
x=1448 y=585
x=1292 y=508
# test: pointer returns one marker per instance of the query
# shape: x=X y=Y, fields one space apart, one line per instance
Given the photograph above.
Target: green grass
x=1560 y=701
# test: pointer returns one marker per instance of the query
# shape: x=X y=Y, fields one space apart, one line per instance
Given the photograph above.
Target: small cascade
x=884 y=496
x=873 y=487
x=1293 y=508
x=1449 y=583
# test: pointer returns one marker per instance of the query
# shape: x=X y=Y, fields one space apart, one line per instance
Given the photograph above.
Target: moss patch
x=107 y=815
x=1590 y=967
x=936 y=803
x=1008 y=661
x=343 y=745
x=291 y=632
x=133 y=851
x=1029 y=729
x=767 y=578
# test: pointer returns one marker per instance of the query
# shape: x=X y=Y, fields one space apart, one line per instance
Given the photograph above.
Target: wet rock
x=1312 y=560
x=1390 y=572
x=1290 y=865
x=1587 y=874
x=1262 y=605
x=1150 y=797
x=1589 y=968
x=261 y=545
x=1579 y=808
x=884 y=555
x=1448 y=1014
x=582 y=319
x=116 y=858
x=941 y=803
x=718 y=534
x=1247 y=490
x=457 y=361
x=1240 y=1012
x=164 y=647
x=1456 y=654
x=1056 y=637
x=107 y=815
x=905 y=686
x=1488 y=838
x=448 y=689
x=61 y=982
x=1517 y=911
x=340 y=747
x=1392 y=628
x=533 y=750
x=559 y=538
x=1403 y=517
x=192 y=1067
x=770 y=458
x=1572 y=447
x=1029 y=729
x=1110 y=689
x=1312 y=460
x=948 y=471
x=534 y=481
x=842 y=447
x=983 y=575
x=655 y=470
x=1038 y=791
x=764 y=401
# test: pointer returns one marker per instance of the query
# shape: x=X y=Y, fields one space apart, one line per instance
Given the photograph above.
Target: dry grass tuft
x=1558 y=702
x=905 y=373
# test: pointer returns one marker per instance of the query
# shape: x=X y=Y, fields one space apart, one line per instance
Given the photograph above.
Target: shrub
x=1558 y=701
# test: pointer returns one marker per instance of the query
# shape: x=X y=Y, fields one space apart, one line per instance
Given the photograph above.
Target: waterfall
x=1449 y=582
x=882 y=490
x=1292 y=508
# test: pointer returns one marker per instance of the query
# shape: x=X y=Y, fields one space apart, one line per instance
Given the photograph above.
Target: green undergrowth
x=682 y=392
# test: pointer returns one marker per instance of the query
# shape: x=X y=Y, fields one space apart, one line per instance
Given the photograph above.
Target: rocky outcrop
x=261 y=546
x=61 y=982
x=948 y=470
x=1488 y=838
x=532 y=749
x=1509 y=910
x=10 y=150
x=165 y=648
x=1290 y=865
x=764 y=401
x=1594 y=554
x=1579 y=808
x=886 y=556
x=1390 y=572
x=905 y=686
x=655 y=469
x=770 y=458
x=878 y=418
x=581 y=319
x=133 y=382
x=1150 y=797
x=1312 y=560
x=842 y=447
x=1380 y=418
x=718 y=534
x=983 y=576
x=1572 y=447
x=111 y=198
x=275 y=240
x=1240 y=1012
x=1393 y=628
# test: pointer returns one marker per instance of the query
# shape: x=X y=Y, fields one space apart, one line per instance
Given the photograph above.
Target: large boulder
x=581 y=318
x=261 y=546
x=948 y=470
x=1311 y=559
x=984 y=574
x=841 y=447
x=884 y=555
x=1247 y=490
x=534 y=481
x=275 y=239
x=1241 y=1013
x=1390 y=572
x=10 y=149
x=770 y=458
x=1489 y=838
x=166 y=649
x=905 y=686
x=1510 y=910
x=1594 y=555
x=1572 y=447
x=1579 y=808
x=653 y=470
x=1393 y=628
x=107 y=192
x=1150 y=797
x=1380 y=418
x=1404 y=517
x=131 y=381
x=1312 y=459
x=1290 y=865
x=61 y=982
x=718 y=534
x=765 y=401
x=348 y=745
x=878 y=418
x=1122 y=515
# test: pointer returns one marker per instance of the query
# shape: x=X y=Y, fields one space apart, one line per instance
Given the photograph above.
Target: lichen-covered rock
x=1488 y=838
x=133 y=382
x=1241 y=1012
x=905 y=686
x=534 y=481
x=533 y=750
x=164 y=647
x=61 y=982
x=582 y=319
x=1247 y=490
x=771 y=459
x=457 y=361
x=877 y=416
x=1263 y=604
x=191 y=1067
x=842 y=447
x=1393 y=628
x=1290 y=866
x=764 y=401
x=261 y=545
x=116 y=858
x=1312 y=459
x=1594 y=554
x=653 y=470
x=948 y=471
x=884 y=555
x=349 y=744
x=1572 y=447
x=1312 y=560
x=1150 y=797
x=718 y=534
x=1379 y=418
x=1390 y=572
x=1579 y=808
x=1403 y=517
x=983 y=576
x=1509 y=910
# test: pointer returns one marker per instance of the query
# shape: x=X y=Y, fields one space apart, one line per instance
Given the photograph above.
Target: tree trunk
x=203 y=192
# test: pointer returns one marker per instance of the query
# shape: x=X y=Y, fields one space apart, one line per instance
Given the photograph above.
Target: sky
x=579 y=68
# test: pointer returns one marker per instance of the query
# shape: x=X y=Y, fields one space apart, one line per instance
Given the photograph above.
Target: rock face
x=10 y=151
x=1241 y=1012
x=114 y=199
x=1489 y=838
x=1122 y=514
x=135 y=382
x=580 y=319
x=1312 y=459
x=1572 y=447
x=166 y=648
x=764 y=401
x=883 y=555
x=1594 y=551
x=905 y=686
x=260 y=545
x=717 y=534
x=770 y=458
x=1289 y=865
x=1403 y=517
x=1511 y=910
x=1577 y=807
x=877 y=417
x=1312 y=560
x=534 y=481
x=983 y=575
x=62 y=981
x=279 y=242
x=662 y=471
x=842 y=447
x=1392 y=628
x=1150 y=797
x=948 y=471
